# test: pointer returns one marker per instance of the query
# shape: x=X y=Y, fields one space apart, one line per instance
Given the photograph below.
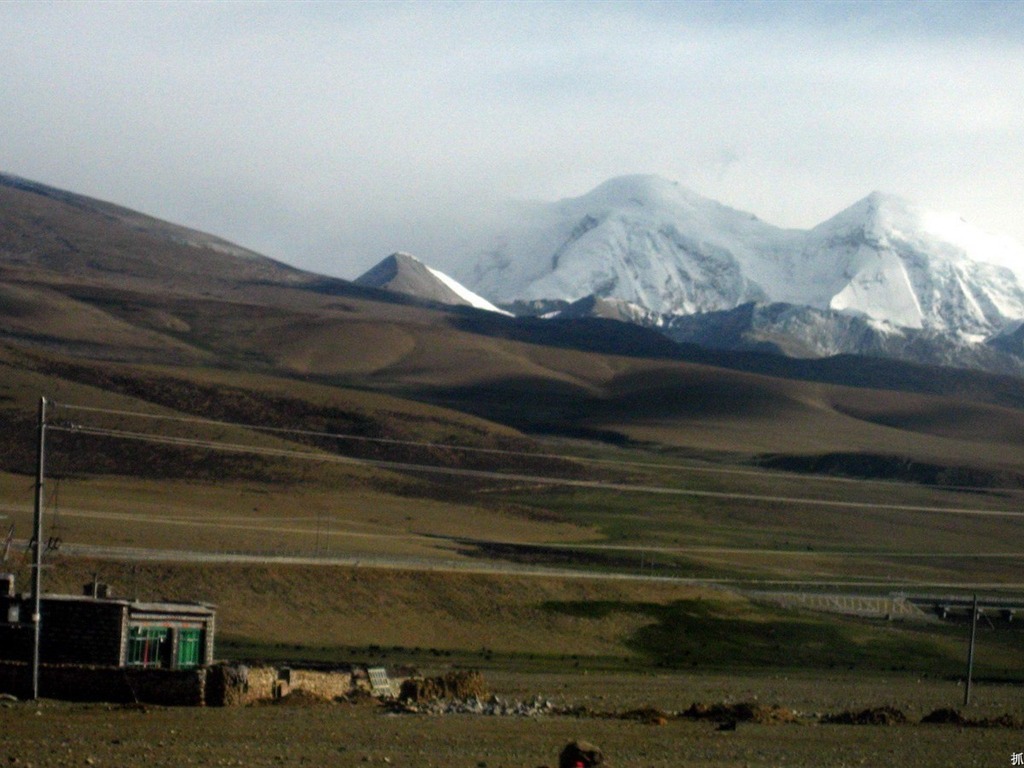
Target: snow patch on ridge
x=465 y=294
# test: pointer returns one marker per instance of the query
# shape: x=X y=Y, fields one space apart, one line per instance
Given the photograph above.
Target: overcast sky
x=329 y=134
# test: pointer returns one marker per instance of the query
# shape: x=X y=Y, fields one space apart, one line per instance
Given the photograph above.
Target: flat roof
x=160 y=606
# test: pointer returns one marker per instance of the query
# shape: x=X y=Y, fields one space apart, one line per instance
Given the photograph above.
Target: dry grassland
x=336 y=607
x=52 y=734
x=351 y=520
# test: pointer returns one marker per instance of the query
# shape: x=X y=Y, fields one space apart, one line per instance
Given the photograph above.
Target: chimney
x=97 y=589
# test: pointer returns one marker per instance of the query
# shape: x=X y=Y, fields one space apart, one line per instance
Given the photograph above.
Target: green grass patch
x=709 y=634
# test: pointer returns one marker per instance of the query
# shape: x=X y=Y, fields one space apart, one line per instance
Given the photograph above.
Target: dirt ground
x=338 y=734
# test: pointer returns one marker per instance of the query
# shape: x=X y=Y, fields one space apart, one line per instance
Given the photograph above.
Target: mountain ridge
x=882 y=277
x=667 y=249
x=173 y=308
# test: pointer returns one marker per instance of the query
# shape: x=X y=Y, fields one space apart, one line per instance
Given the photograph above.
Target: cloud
x=328 y=135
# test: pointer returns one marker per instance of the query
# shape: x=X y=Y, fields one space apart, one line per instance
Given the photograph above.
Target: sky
x=330 y=134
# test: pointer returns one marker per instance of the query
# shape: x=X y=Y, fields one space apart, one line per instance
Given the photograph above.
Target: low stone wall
x=74 y=682
x=239 y=685
x=220 y=685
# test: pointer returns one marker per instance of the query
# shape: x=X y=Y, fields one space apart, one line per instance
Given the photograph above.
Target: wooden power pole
x=970 y=651
x=37 y=538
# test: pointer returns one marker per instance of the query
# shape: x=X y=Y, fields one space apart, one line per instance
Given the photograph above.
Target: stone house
x=98 y=629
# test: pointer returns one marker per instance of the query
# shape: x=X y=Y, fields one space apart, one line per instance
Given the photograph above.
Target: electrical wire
x=518 y=477
x=302 y=432
x=803 y=477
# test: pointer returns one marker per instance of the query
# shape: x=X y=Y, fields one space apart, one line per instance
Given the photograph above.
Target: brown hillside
x=106 y=308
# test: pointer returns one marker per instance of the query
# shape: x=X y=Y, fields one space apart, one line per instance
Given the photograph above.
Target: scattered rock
x=494 y=706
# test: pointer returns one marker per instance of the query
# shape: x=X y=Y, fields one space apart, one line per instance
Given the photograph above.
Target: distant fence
x=875 y=606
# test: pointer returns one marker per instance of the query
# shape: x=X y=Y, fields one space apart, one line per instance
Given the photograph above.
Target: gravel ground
x=58 y=734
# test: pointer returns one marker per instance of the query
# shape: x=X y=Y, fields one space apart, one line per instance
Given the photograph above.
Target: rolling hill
x=206 y=399
x=112 y=308
x=98 y=282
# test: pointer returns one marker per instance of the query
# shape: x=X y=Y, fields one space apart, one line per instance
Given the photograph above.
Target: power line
x=191 y=442
x=491 y=451
x=306 y=432
x=519 y=477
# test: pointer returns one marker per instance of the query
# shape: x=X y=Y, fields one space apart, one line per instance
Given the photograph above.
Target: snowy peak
x=870 y=219
x=404 y=273
x=653 y=243
x=638 y=191
x=640 y=239
x=891 y=260
x=400 y=272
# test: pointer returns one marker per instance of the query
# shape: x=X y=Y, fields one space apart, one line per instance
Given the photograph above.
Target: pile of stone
x=454 y=685
x=493 y=706
x=885 y=715
x=948 y=716
x=742 y=712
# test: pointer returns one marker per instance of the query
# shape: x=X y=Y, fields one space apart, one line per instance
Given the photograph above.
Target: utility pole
x=970 y=651
x=37 y=565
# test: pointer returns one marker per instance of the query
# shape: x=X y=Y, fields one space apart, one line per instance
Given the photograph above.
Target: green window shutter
x=189 y=645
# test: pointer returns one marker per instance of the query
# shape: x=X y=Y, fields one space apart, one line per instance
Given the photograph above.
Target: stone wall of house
x=76 y=682
x=238 y=685
x=16 y=642
x=329 y=685
x=220 y=685
x=72 y=631
x=78 y=632
x=16 y=678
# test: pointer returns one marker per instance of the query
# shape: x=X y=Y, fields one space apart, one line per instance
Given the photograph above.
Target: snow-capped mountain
x=889 y=260
x=885 y=262
x=806 y=332
x=641 y=239
x=404 y=273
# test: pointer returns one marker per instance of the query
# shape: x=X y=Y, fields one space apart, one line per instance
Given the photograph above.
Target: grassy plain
x=53 y=734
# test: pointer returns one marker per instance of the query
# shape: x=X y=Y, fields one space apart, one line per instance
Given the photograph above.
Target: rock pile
x=454 y=685
x=743 y=712
x=494 y=706
x=948 y=716
x=944 y=716
x=872 y=716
